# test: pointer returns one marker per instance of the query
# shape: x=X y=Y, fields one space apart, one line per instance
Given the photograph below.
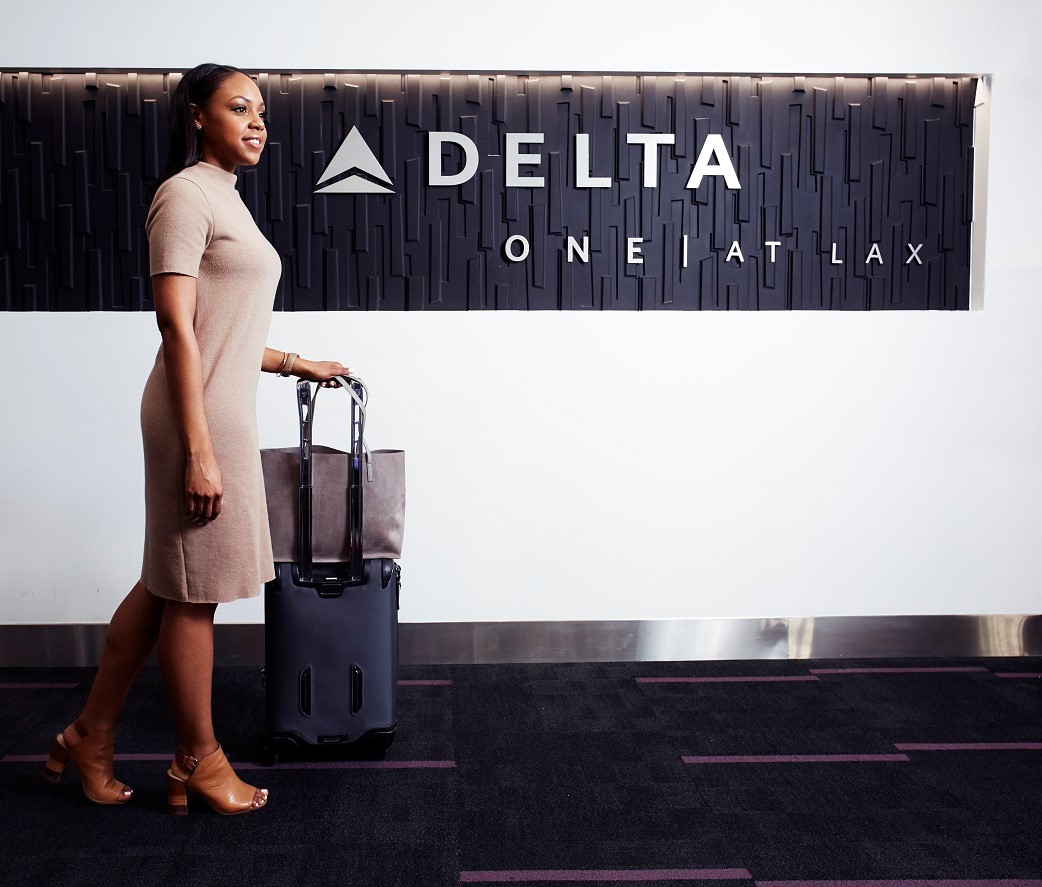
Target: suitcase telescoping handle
x=306 y=410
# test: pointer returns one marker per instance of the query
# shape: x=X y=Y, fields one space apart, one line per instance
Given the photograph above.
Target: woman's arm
x=321 y=371
x=175 y=297
x=272 y=361
x=175 y=315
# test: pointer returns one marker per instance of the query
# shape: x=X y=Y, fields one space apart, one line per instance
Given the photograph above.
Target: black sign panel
x=419 y=191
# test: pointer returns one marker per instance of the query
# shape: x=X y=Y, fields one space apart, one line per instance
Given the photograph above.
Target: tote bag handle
x=306 y=411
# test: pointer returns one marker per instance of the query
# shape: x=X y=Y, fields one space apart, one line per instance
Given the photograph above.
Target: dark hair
x=196 y=86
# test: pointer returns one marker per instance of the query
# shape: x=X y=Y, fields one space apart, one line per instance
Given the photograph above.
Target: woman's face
x=233 y=127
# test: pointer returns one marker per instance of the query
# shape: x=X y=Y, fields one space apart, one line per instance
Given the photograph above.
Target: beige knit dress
x=199 y=226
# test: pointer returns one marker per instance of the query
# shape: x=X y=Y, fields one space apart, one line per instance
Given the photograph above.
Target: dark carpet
x=588 y=773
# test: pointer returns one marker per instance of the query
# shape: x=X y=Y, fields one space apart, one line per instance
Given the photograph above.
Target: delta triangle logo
x=354 y=155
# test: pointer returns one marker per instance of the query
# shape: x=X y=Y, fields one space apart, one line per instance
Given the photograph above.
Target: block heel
x=176 y=795
x=55 y=766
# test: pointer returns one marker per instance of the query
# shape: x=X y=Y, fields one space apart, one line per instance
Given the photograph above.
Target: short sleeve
x=179 y=227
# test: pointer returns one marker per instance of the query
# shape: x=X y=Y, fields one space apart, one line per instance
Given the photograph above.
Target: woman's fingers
x=335 y=383
x=203 y=490
x=211 y=508
x=203 y=508
x=334 y=368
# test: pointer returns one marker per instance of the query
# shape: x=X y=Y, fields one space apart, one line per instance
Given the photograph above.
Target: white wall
x=592 y=466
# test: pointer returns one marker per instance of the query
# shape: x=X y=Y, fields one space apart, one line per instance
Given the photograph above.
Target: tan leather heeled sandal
x=214 y=779
x=92 y=755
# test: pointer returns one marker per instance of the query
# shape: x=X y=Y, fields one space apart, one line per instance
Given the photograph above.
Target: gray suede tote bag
x=383 y=496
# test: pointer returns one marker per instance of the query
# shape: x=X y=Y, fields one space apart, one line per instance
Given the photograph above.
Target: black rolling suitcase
x=331 y=629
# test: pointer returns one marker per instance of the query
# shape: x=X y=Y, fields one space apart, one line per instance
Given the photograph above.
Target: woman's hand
x=321 y=371
x=203 y=488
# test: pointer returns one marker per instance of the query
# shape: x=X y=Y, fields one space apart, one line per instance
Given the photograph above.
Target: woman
x=207 y=540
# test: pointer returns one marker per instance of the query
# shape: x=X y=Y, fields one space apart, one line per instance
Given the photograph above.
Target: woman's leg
x=132 y=634
x=186 y=660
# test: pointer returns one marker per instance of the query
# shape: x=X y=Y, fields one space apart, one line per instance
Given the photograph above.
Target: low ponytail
x=196 y=87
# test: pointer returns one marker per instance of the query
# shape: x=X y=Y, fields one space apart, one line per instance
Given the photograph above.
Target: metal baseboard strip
x=647 y=640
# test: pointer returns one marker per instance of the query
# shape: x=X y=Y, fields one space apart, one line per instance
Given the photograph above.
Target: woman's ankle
x=84 y=725
x=197 y=749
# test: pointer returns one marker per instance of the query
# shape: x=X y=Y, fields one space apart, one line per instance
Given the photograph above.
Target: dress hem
x=194 y=600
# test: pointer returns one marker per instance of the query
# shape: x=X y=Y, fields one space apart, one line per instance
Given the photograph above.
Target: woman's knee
x=189 y=611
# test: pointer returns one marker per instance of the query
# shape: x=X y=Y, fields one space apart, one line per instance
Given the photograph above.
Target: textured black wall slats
x=838 y=175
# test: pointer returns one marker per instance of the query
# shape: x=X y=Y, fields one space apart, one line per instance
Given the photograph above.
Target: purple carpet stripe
x=150 y=756
x=727 y=679
x=432 y=683
x=1018 y=674
x=348 y=765
x=37 y=686
x=924 y=882
x=898 y=670
x=504 y=877
x=789 y=759
x=968 y=746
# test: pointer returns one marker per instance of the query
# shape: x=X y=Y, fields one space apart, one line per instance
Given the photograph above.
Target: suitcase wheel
x=274 y=749
x=375 y=747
